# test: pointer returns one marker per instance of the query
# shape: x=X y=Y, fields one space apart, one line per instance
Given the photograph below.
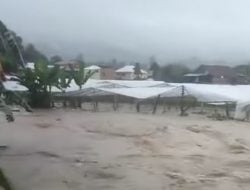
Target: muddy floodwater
x=73 y=149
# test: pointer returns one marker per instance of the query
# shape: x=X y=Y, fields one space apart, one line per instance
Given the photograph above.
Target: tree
x=137 y=71
x=173 y=72
x=39 y=82
x=64 y=81
x=3 y=30
x=80 y=58
x=10 y=57
x=243 y=69
x=55 y=58
x=155 y=68
x=80 y=76
x=9 y=62
x=10 y=48
x=31 y=54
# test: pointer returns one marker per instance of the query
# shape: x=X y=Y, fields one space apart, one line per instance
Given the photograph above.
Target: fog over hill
x=134 y=30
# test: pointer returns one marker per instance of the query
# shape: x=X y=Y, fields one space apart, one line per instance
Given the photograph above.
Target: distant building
x=67 y=65
x=96 y=69
x=107 y=73
x=30 y=65
x=127 y=73
x=215 y=74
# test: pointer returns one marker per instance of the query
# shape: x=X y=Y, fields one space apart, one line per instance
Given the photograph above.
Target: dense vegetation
x=41 y=79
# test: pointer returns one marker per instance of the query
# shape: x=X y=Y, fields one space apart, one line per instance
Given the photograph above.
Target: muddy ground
x=73 y=149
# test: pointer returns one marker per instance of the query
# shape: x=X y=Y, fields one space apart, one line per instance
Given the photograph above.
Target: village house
x=107 y=73
x=95 y=69
x=67 y=65
x=213 y=74
x=128 y=73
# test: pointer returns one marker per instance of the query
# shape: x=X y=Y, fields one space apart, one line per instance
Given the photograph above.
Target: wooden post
x=227 y=110
x=182 y=101
x=164 y=106
x=79 y=102
x=202 y=107
x=155 y=104
x=138 y=106
x=64 y=102
x=115 y=103
x=96 y=105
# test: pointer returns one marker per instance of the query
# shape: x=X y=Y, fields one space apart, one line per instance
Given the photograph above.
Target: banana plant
x=64 y=80
x=80 y=76
x=39 y=82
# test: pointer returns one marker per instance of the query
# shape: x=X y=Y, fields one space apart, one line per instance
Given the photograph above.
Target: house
x=30 y=65
x=128 y=73
x=215 y=74
x=96 y=69
x=107 y=73
x=67 y=65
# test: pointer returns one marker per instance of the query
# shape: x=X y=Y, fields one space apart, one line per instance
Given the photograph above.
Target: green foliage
x=9 y=62
x=10 y=48
x=64 y=80
x=155 y=68
x=137 y=71
x=41 y=78
x=243 y=69
x=80 y=58
x=12 y=51
x=80 y=76
x=39 y=82
x=174 y=72
x=55 y=58
x=31 y=54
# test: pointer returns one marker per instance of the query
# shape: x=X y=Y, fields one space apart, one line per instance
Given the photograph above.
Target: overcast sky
x=133 y=30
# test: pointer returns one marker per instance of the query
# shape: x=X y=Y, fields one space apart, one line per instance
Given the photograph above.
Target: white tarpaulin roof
x=216 y=93
x=93 y=67
x=144 y=93
x=128 y=83
x=209 y=93
x=13 y=86
x=129 y=69
x=146 y=89
x=135 y=89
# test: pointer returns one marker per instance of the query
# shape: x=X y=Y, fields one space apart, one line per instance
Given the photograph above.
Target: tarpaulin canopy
x=14 y=86
x=143 y=92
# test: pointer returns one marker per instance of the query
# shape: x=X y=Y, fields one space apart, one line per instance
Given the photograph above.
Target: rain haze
x=125 y=94
x=134 y=30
